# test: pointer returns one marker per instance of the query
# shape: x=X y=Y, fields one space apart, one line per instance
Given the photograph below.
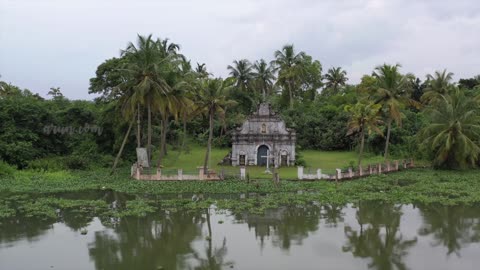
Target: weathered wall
x=263 y=128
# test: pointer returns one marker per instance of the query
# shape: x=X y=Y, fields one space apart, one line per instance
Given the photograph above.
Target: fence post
x=412 y=165
x=360 y=171
x=180 y=174
x=300 y=172
x=396 y=165
x=242 y=172
x=370 y=169
x=388 y=166
x=350 y=173
x=339 y=174
x=319 y=174
x=379 y=168
x=201 y=174
x=404 y=163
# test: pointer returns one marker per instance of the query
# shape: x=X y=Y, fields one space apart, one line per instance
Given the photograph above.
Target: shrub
x=6 y=169
x=76 y=162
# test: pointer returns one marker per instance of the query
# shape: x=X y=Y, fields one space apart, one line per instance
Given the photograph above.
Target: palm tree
x=454 y=131
x=212 y=100
x=336 y=78
x=393 y=93
x=242 y=72
x=438 y=85
x=147 y=66
x=201 y=70
x=264 y=74
x=289 y=67
x=363 y=117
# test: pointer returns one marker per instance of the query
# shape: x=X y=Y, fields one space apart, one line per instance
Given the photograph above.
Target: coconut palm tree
x=242 y=72
x=454 y=132
x=289 y=65
x=336 y=78
x=264 y=75
x=438 y=85
x=393 y=93
x=201 y=71
x=364 y=119
x=147 y=66
x=212 y=100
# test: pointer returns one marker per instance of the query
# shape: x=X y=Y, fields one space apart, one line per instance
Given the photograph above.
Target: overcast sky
x=59 y=43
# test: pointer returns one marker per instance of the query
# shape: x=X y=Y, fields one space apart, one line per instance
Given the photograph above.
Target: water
x=364 y=236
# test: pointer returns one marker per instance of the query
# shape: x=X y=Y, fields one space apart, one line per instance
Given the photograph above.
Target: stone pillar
x=339 y=174
x=159 y=174
x=201 y=174
x=300 y=172
x=242 y=173
x=396 y=165
x=138 y=173
x=360 y=171
x=319 y=173
x=180 y=174
x=350 y=173
x=379 y=171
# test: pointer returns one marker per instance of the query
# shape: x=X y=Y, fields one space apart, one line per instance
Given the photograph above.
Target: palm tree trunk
x=122 y=146
x=362 y=143
x=389 y=128
x=184 y=131
x=149 y=135
x=209 y=144
x=163 y=140
x=290 y=93
x=139 y=144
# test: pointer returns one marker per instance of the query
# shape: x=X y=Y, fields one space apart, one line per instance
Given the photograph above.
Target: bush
x=47 y=164
x=6 y=169
x=76 y=162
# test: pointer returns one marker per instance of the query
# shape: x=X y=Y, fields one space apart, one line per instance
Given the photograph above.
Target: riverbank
x=418 y=185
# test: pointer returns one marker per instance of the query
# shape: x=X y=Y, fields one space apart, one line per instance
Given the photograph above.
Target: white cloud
x=60 y=43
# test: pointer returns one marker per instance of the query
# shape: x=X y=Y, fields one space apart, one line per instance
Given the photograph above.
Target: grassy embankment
x=413 y=186
x=327 y=161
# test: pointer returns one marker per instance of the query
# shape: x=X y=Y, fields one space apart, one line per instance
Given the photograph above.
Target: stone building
x=263 y=132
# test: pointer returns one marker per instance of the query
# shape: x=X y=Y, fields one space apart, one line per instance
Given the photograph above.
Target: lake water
x=363 y=236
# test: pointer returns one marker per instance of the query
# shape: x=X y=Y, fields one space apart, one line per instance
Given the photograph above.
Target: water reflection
x=378 y=235
x=453 y=227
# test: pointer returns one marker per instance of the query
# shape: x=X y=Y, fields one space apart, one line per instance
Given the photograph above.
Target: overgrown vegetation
x=152 y=96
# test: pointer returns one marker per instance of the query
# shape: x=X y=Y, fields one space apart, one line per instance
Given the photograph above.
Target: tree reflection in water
x=285 y=224
x=379 y=237
x=451 y=226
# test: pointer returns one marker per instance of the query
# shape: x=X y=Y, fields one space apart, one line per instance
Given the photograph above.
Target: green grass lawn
x=327 y=161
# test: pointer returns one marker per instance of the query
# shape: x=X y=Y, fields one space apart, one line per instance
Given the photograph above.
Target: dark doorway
x=242 y=160
x=284 y=160
x=262 y=155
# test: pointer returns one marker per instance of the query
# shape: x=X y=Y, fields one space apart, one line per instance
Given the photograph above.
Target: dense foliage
x=151 y=96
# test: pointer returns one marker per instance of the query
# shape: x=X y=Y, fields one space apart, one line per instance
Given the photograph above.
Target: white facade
x=263 y=132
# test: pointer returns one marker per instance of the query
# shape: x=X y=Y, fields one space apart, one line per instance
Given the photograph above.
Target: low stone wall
x=380 y=168
x=140 y=173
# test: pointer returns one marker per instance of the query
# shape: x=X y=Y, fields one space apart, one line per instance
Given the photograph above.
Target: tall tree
x=242 y=72
x=364 y=119
x=289 y=66
x=393 y=93
x=212 y=100
x=336 y=79
x=454 y=131
x=437 y=86
x=264 y=76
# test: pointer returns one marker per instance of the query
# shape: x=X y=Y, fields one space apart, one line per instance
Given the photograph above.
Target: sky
x=60 y=43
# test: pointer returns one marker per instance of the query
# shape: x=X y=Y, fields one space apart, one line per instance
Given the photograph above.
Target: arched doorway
x=262 y=155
